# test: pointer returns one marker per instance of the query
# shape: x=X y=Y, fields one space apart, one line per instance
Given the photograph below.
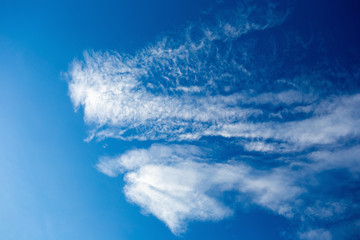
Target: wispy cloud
x=170 y=90
x=176 y=185
x=117 y=102
x=329 y=121
x=227 y=80
x=313 y=234
x=180 y=183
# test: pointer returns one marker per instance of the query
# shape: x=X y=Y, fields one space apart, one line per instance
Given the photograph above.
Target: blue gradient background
x=49 y=187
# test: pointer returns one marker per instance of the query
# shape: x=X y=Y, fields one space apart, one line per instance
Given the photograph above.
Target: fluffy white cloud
x=177 y=186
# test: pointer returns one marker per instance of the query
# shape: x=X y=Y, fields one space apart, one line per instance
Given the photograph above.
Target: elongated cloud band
x=172 y=183
x=114 y=98
x=177 y=183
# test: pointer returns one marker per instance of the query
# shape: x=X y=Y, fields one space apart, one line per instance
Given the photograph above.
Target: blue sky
x=179 y=119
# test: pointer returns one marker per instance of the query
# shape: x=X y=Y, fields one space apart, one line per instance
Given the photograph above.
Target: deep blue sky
x=49 y=185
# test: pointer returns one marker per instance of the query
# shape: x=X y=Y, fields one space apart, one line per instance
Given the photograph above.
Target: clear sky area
x=179 y=119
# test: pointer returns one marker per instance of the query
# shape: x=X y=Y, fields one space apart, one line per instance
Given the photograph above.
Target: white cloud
x=330 y=122
x=109 y=89
x=326 y=210
x=157 y=154
x=169 y=90
x=176 y=185
x=259 y=146
x=205 y=82
x=344 y=158
x=316 y=234
x=112 y=96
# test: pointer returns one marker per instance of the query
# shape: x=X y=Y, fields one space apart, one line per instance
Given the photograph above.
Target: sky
x=180 y=119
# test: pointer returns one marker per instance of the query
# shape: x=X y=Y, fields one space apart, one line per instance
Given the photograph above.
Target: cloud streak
x=180 y=183
x=117 y=103
x=174 y=184
x=170 y=90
